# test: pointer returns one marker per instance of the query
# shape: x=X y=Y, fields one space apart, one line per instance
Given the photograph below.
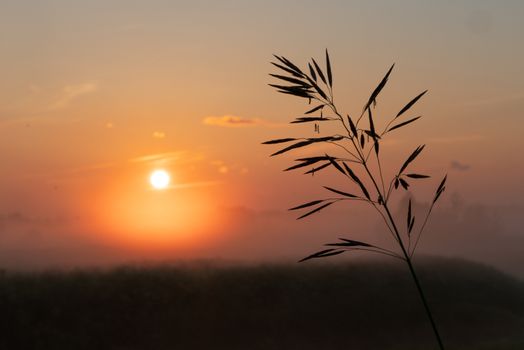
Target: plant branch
x=381 y=176
x=407 y=258
x=307 y=87
x=383 y=251
x=417 y=283
x=386 y=222
x=422 y=229
x=357 y=147
x=345 y=149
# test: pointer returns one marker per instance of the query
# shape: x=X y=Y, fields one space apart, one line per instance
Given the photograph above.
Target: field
x=349 y=305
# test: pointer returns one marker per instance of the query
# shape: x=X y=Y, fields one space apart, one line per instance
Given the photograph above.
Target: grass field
x=349 y=305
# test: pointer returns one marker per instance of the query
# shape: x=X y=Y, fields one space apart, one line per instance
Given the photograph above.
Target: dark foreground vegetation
x=351 y=305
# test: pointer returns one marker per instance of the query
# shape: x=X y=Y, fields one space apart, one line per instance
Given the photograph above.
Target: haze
x=96 y=95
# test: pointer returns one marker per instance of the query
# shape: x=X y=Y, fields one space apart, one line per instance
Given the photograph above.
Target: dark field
x=351 y=305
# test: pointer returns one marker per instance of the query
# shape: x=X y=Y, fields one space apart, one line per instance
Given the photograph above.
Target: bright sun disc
x=159 y=179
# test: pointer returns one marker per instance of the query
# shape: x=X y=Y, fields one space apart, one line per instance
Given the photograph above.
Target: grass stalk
x=361 y=144
x=407 y=259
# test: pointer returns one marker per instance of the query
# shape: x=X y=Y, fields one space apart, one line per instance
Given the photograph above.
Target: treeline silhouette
x=208 y=306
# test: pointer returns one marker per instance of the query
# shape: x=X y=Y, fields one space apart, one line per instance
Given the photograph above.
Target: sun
x=160 y=179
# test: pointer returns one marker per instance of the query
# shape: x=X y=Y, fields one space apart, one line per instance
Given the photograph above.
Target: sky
x=95 y=95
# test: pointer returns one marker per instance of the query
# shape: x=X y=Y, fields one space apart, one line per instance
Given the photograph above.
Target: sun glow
x=160 y=179
x=135 y=216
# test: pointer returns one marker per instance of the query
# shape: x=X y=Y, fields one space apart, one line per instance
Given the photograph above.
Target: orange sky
x=95 y=96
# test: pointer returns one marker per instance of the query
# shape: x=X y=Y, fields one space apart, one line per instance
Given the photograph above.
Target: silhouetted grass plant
x=360 y=141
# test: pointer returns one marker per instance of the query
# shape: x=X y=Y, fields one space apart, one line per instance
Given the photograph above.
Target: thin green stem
x=362 y=160
x=407 y=258
x=345 y=149
x=410 y=265
x=385 y=221
x=381 y=176
x=386 y=128
x=336 y=199
x=385 y=252
x=424 y=301
x=393 y=228
x=357 y=148
x=390 y=188
x=421 y=229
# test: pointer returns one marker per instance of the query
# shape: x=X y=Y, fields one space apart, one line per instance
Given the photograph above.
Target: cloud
x=71 y=92
x=495 y=100
x=232 y=121
x=159 y=135
x=35 y=89
x=20 y=218
x=166 y=157
x=14 y=217
x=180 y=157
x=54 y=176
x=186 y=185
x=196 y=184
x=223 y=168
x=456 y=139
x=456 y=165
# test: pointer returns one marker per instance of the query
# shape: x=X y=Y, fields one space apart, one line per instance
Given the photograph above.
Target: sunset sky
x=95 y=95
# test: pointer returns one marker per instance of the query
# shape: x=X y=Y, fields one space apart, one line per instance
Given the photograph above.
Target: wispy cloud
x=494 y=100
x=232 y=121
x=75 y=171
x=456 y=165
x=456 y=139
x=166 y=157
x=159 y=135
x=195 y=184
x=158 y=159
x=71 y=92
x=19 y=218
x=223 y=168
